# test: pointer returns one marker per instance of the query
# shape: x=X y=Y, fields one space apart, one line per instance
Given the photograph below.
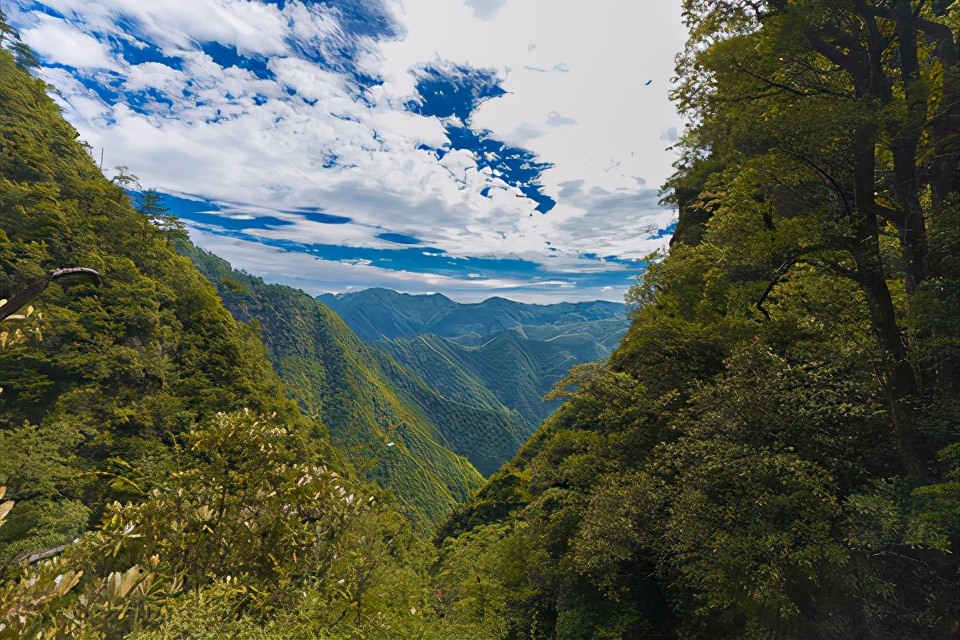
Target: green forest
x=772 y=451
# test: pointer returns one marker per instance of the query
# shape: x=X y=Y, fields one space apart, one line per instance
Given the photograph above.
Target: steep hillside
x=773 y=451
x=155 y=481
x=104 y=373
x=362 y=397
x=515 y=372
x=474 y=423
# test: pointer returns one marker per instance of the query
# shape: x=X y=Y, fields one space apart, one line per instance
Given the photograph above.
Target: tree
x=851 y=98
x=150 y=204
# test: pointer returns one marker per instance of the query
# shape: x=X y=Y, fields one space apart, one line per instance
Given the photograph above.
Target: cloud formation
x=422 y=126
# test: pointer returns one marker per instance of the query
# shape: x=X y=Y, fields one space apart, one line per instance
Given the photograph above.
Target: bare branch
x=38 y=285
x=30 y=558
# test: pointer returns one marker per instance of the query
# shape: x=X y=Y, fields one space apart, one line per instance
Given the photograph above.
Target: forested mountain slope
x=155 y=480
x=107 y=373
x=516 y=351
x=361 y=396
x=774 y=449
x=473 y=420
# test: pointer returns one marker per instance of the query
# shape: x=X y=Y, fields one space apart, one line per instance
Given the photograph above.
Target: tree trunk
x=901 y=382
x=904 y=140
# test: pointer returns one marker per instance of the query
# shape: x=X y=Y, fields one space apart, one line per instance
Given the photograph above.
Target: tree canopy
x=771 y=452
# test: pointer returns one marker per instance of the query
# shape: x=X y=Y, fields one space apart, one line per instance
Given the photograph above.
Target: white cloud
x=252 y=27
x=316 y=276
x=485 y=9
x=240 y=138
x=60 y=42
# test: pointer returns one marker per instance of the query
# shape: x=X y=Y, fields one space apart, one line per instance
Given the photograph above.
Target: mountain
x=373 y=406
x=473 y=421
x=103 y=373
x=153 y=473
x=381 y=313
x=514 y=351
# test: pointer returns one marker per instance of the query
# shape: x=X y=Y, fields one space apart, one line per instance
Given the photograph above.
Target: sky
x=468 y=147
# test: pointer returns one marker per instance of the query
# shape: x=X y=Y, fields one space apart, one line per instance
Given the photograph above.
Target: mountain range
x=509 y=350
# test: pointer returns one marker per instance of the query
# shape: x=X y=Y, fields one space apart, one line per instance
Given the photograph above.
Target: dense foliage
x=156 y=480
x=773 y=450
x=105 y=373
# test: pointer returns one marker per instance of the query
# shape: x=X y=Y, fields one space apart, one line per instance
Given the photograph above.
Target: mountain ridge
x=410 y=314
x=517 y=351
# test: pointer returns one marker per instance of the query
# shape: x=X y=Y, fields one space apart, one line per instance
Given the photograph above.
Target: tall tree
x=855 y=98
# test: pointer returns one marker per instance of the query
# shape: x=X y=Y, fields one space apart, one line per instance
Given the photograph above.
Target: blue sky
x=477 y=148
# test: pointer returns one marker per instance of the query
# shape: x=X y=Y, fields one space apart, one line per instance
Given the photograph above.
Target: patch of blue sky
x=448 y=91
x=453 y=90
x=626 y=262
x=419 y=259
x=367 y=18
x=40 y=7
x=341 y=60
x=332 y=160
x=361 y=21
x=398 y=238
x=108 y=91
x=315 y=214
x=227 y=56
x=515 y=166
x=146 y=101
x=413 y=259
x=210 y=215
x=184 y=207
x=437 y=152
x=664 y=233
x=137 y=51
x=427 y=260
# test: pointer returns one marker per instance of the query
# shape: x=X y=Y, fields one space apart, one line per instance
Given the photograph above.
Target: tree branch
x=30 y=558
x=38 y=285
x=843 y=60
x=898 y=218
x=766 y=292
x=833 y=182
x=769 y=82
